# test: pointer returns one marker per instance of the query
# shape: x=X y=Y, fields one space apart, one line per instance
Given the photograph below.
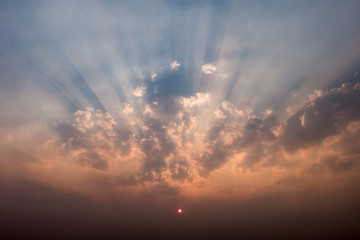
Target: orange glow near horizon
x=179 y=210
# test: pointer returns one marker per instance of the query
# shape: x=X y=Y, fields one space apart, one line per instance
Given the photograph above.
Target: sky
x=115 y=114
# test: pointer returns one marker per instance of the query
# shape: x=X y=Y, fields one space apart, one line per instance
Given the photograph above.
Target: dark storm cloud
x=327 y=115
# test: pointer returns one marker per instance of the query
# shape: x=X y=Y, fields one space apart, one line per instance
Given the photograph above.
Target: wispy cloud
x=174 y=65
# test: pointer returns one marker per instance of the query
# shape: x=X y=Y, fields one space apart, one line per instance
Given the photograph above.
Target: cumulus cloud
x=174 y=65
x=262 y=139
x=198 y=99
x=219 y=114
x=101 y=139
x=180 y=169
x=208 y=68
x=172 y=145
x=83 y=120
x=139 y=91
x=225 y=138
x=156 y=145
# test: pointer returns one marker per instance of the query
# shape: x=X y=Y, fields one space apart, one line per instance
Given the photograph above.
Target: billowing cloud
x=101 y=141
x=198 y=99
x=139 y=91
x=326 y=115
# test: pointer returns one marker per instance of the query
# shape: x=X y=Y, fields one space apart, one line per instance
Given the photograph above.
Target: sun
x=179 y=211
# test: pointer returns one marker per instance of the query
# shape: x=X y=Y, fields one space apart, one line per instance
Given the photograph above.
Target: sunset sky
x=115 y=114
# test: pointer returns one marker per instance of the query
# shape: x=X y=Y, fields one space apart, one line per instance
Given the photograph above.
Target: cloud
x=219 y=114
x=156 y=146
x=302 y=120
x=208 y=68
x=198 y=99
x=328 y=114
x=338 y=153
x=93 y=160
x=174 y=65
x=153 y=76
x=96 y=139
x=225 y=138
x=180 y=169
x=261 y=140
x=139 y=91
x=83 y=120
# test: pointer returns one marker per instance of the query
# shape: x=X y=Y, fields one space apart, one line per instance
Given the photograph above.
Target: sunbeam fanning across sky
x=113 y=114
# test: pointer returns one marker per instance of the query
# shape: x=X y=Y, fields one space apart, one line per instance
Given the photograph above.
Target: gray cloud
x=256 y=139
x=92 y=135
x=180 y=169
x=93 y=160
x=156 y=145
x=327 y=115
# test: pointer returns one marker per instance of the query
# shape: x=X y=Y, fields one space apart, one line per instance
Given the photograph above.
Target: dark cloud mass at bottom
x=43 y=211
